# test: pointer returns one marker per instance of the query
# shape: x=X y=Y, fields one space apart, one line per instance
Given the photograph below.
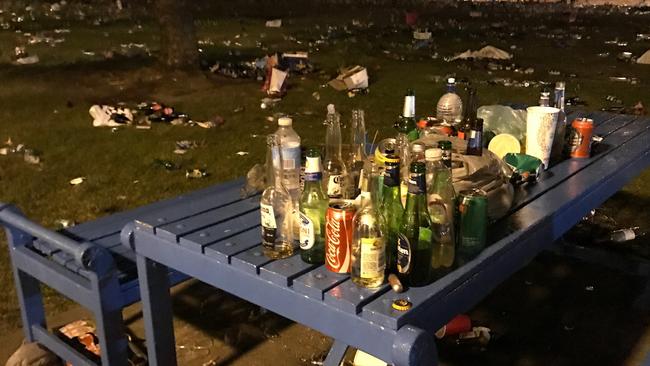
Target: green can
x=472 y=211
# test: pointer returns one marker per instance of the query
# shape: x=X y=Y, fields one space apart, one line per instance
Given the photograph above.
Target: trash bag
x=486 y=172
x=501 y=119
x=33 y=354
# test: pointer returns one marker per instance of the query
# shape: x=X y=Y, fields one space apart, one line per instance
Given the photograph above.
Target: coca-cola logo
x=333 y=243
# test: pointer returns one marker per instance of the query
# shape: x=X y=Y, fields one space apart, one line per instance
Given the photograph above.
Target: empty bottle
x=276 y=206
x=470 y=115
x=559 y=140
x=450 y=107
x=623 y=235
x=290 y=142
x=391 y=207
x=358 y=154
x=544 y=99
x=334 y=169
x=368 y=243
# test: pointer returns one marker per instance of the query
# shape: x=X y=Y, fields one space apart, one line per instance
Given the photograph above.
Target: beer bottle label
x=404 y=254
x=417 y=183
x=391 y=175
x=334 y=186
x=307 y=237
x=372 y=257
x=269 y=226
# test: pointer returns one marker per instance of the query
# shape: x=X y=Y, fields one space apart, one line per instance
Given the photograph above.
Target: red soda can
x=583 y=129
x=338 y=237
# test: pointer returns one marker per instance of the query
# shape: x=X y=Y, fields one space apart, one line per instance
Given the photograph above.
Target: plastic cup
x=540 y=130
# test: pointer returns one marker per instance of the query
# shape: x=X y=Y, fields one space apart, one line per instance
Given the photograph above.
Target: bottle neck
x=333 y=137
x=451 y=88
x=471 y=111
x=559 y=99
x=409 y=106
x=358 y=138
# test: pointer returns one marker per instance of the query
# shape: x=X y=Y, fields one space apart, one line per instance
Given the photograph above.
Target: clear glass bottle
x=313 y=207
x=415 y=238
x=559 y=140
x=334 y=170
x=358 y=154
x=276 y=206
x=368 y=242
x=441 y=199
x=391 y=208
x=449 y=109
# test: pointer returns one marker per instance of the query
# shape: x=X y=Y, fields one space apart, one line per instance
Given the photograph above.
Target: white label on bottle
x=268 y=216
x=334 y=185
x=307 y=236
x=372 y=258
x=290 y=165
x=472 y=134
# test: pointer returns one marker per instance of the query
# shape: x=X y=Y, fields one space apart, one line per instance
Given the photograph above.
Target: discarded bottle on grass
x=449 y=109
x=334 y=169
x=313 y=207
x=368 y=242
x=623 y=235
x=276 y=206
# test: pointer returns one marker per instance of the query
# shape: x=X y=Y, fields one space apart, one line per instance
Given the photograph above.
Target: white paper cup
x=540 y=130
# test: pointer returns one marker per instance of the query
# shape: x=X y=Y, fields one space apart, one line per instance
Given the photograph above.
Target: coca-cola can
x=338 y=237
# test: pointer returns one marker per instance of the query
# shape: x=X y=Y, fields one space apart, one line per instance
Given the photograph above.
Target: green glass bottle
x=415 y=238
x=407 y=124
x=391 y=208
x=313 y=207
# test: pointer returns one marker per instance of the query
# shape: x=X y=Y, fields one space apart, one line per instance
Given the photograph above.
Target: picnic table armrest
x=21 y=231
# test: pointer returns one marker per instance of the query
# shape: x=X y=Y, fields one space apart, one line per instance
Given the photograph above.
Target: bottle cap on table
x=401 y=304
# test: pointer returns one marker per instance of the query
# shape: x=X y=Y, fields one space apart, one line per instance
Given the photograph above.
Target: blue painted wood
x=156 y=312
x=414 y=346
x=116 y=221
x=280 y=299
x=336 y=354
x=250 y=260
x=197 y=240
x=59 y=347
x=315 y=283
x=351 y=298
x=547 y=217
x=173 y=231
x=32 y=312
x=108 y=317
x=223 y=250
x=283 y=271
x=223 y=195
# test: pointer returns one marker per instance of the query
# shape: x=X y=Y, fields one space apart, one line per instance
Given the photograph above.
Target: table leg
x=336 y=354
x=157 y=312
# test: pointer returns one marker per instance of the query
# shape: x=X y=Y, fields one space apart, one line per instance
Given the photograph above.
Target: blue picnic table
x=214 y=235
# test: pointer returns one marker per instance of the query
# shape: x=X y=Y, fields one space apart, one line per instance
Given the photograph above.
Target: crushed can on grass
x=338 y=236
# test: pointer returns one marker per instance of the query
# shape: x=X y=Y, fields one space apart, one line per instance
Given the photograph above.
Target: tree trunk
x=178 y=47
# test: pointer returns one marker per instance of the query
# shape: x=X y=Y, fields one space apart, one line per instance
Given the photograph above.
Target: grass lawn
x=45 y=106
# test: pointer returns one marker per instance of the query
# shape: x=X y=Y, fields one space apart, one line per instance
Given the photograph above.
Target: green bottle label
x=404 y=254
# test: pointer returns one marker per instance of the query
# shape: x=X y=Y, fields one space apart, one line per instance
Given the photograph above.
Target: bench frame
x=95 y=286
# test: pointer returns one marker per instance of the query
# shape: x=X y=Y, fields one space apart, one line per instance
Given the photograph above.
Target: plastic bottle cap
x=433 y=154
x=451 y=80
x=284 y=121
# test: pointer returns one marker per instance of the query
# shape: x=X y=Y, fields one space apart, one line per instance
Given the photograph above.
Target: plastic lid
x=451 y=81
x=330 y=109
x=433 y=154
x=284 y=121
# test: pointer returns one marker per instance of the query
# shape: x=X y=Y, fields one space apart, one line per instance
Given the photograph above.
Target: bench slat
x=173 y=231
x=225 y=249
x=318 y=281
x=250 y=260
x=351 y=298
x=283 y=271
x=197 y=240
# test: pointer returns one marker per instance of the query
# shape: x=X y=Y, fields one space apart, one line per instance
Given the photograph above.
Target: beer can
x=583 y=129
x=338 y=236
x=472 y=211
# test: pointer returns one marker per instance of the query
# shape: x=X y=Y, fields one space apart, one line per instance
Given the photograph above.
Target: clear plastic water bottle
x=290 y=142
x=450 y=107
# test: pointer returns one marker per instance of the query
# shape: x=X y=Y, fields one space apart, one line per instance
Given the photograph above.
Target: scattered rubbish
x=480 y=335
x=603 y=54
x=158 y=112
x=316 y=95
x=23 y=58
x=630 y=80
x=110 y=116
x=276 y=85
x=196 y=173
x=364 y=359
x=422 y=34
x=82 y=332
x=274 y=23
x=238 y=109
x=644 y=59
x=64 y=223
x=461 y=323
x=242 y=153
x=643 y=37
x=525 y=168
x=269 y=102
x=639 y=109
x=589 y=288
x=77 y=181
x=168 y=165
x=624 y=235
x=575 y=101
x=32 y=354
x=184 y=145
x=31 y=157
x=351 y=78
x=487 y=52
x=614 y=99
x=624 y=56
x=569 y=327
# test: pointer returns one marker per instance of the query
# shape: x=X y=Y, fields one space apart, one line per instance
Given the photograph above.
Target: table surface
x=215 y=237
